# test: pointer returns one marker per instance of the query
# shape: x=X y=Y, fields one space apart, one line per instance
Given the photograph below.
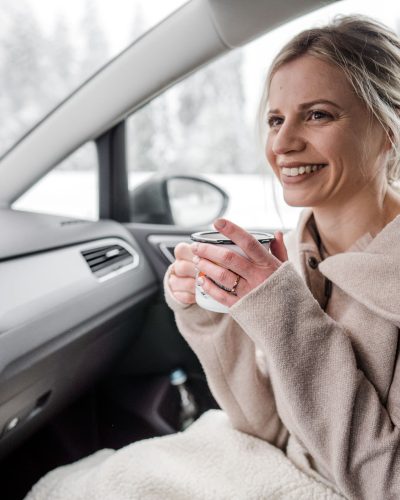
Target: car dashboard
x=71 y=293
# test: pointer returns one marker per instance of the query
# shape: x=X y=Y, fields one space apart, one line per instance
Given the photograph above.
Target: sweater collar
x=371 y=276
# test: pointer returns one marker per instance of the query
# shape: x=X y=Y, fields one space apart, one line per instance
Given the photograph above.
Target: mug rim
x=201 y=237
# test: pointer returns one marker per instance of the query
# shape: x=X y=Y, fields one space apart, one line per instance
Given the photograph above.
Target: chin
x=303 y=198
x=294 y=201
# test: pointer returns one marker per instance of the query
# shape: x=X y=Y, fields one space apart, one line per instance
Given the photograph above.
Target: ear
x=389 y=136
x=388 y=141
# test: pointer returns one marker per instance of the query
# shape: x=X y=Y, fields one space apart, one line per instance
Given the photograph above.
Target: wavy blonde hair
x=369 y=55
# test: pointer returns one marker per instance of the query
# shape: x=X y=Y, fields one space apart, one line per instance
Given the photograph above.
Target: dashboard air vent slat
x=106 y=259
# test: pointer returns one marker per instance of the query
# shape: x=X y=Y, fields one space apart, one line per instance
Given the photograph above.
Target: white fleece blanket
x=210 y=460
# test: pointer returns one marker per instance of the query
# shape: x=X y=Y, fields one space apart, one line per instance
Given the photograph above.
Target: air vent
x=69 y=222
x=108 y=259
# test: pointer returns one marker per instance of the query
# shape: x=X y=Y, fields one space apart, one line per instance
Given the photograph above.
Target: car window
x=48 y=48
x=206 y=125
x=202 y=127
x=70 y=189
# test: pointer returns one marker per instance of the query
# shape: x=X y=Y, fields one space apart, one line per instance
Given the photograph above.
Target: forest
x=198 y=125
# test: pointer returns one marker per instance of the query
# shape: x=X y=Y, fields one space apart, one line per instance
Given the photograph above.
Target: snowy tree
x=148 y=129
x=61 y=59
x=214 y=134
x=23 y=89
x=94 y=44
x=197 y=125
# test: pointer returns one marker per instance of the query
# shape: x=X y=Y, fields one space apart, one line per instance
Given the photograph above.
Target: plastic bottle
x=189 y=410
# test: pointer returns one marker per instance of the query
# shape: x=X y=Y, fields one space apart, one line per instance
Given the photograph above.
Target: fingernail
x=219 y=223
x=196 y=260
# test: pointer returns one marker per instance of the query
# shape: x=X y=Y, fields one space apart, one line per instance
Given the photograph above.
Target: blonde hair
x=369 y=55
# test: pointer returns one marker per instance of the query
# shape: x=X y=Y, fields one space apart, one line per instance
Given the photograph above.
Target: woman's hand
x=237 y=274
x=182 y=276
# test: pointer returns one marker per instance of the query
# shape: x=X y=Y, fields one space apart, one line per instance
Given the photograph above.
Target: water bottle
x=188 y=410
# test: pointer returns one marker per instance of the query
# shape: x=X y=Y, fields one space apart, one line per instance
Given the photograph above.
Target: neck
x=368 y=211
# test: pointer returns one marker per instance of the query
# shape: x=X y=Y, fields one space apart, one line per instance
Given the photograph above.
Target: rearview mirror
x=181 y=200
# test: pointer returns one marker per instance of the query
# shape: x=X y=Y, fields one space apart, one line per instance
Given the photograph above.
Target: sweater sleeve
x=228 y=357
x=321 y=395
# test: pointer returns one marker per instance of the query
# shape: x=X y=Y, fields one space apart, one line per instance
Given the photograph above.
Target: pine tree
x=24 y=96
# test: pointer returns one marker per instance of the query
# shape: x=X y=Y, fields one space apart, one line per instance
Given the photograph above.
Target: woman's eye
x=274 y=121
x=319 y=115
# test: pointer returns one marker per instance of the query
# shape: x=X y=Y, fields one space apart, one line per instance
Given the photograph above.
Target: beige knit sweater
x=325 y=389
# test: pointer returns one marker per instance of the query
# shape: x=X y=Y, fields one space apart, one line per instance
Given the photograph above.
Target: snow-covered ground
x=74 y=194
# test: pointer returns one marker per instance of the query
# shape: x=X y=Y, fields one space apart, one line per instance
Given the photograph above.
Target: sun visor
x=239 y=21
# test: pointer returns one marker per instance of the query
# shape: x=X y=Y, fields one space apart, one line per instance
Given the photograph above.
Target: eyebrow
x=308 y=104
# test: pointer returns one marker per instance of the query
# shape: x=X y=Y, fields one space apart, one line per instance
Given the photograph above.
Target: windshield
x=49 y=47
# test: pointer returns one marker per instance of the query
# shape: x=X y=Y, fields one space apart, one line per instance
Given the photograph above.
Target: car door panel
x=159 y=241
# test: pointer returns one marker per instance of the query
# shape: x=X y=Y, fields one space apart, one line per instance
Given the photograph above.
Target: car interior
x=90 y=355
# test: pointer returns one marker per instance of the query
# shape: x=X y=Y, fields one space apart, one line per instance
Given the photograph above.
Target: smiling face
x=322 y=144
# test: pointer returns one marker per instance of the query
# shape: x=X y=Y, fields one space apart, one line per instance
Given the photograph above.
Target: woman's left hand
x=237 y=274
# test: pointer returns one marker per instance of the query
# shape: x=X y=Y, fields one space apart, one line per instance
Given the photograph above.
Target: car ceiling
x=198 y=32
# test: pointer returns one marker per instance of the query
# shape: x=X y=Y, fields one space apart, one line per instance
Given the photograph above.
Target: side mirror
x=177 y=199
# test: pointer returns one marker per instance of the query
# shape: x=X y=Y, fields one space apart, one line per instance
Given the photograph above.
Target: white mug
x=216 y=238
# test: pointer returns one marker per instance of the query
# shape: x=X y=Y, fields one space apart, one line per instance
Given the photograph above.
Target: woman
x=324 y=308
x=307 y=359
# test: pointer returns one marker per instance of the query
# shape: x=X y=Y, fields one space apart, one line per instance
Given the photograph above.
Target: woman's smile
x=303 y=173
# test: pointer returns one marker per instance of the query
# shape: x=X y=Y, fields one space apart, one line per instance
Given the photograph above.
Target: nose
x=287 y=139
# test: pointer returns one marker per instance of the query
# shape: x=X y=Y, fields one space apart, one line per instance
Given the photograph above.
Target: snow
x=75 y=194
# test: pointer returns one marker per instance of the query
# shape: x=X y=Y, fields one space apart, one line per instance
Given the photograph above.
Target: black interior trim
x=113 y=175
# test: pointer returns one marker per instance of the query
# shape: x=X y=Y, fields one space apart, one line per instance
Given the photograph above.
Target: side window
x=206 y=126
x=70 y=189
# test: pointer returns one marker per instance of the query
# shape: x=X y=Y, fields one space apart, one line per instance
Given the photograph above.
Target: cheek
x=338 y=147
x=270 y=156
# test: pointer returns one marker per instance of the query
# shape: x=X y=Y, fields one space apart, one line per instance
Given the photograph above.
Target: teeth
x=295 y=171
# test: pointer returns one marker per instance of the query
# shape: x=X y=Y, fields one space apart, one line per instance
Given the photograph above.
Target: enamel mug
x=216 y=238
